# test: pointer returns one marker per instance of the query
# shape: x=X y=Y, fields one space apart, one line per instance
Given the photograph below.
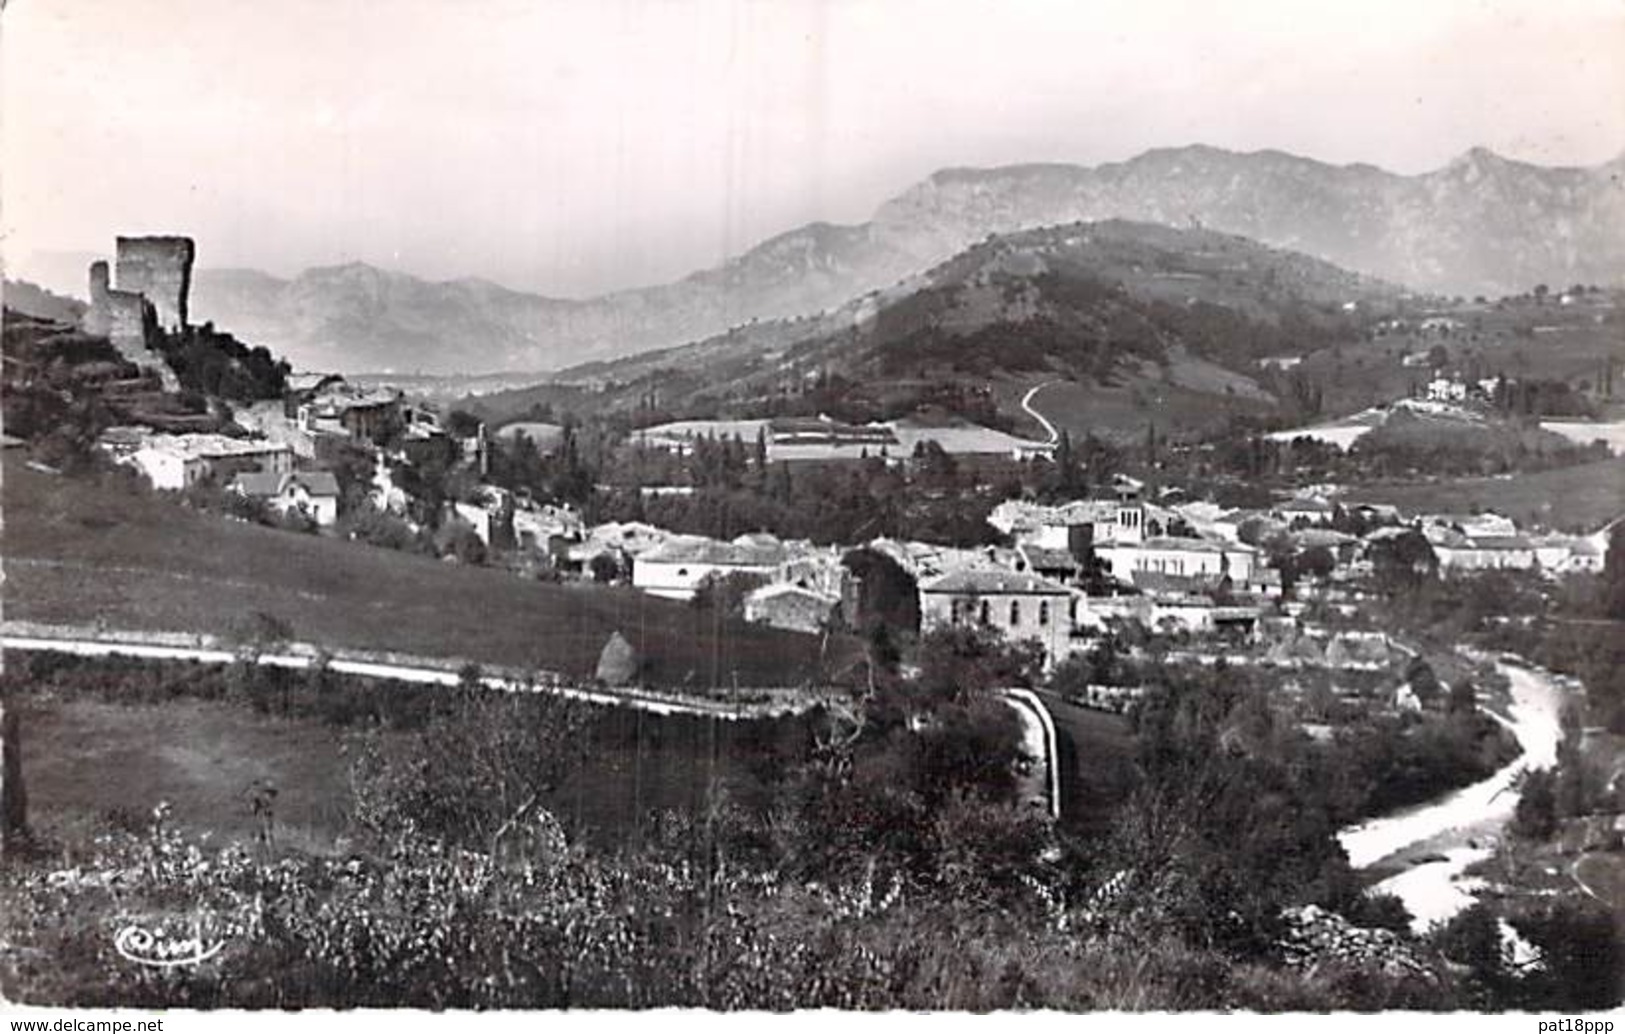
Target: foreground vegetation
x=872 y=855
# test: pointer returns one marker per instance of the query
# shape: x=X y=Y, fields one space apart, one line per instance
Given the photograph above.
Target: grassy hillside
x=79 y=553
x=1578 y=498
x=1581 y=344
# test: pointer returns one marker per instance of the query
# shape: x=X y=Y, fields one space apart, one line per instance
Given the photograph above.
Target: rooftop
x=696 y=550
x=210 y=446
x=995 y=581
x=1041 y=558
x=1169 y=543
x=264 y=485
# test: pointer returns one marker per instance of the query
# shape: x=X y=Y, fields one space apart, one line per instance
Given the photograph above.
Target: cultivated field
x=79 y=554
x=1577 y=498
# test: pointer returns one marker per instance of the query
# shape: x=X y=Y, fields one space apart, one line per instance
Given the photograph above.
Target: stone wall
x=127 y=319
x=161 y=269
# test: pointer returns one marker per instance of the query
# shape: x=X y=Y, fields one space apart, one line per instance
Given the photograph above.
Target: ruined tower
x=159 y=268
x=98 y=318
x=128 y=317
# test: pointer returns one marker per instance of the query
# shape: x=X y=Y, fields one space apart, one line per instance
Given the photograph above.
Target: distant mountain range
x=1482 y=224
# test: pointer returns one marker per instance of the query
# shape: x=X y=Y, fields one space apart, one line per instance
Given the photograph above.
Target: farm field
x=88 y=762
x=1123 y=414
x=1580 y=498
x=78 y=553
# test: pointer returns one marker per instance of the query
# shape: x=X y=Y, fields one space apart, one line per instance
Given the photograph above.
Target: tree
x=960 y=662
x=1583 y=963
x=887 y=595
x=1317 y=563
x=1536 y=814
x=726 y=592
x=1613 y=575
x=605 y=567
x=477 y=773
x=457 y=538
x=1473 y=939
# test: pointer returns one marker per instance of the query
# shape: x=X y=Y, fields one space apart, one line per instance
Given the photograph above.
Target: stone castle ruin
x=160 y=268
x=154 y=278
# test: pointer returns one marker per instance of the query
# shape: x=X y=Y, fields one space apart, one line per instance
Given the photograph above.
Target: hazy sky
x=576 y=147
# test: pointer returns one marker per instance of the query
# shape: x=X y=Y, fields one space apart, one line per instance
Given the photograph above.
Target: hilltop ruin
x=154 y=279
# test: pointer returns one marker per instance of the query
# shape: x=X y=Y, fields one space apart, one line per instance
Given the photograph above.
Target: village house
x=790 y=607
x=926 y=560
x=1212 y=520
x=1305 y=509
x=1190 y=557
x=1343 y=547
x=491 y=514
x=817 y=569
x=313 y=493
x=1058 y=565
x=536 y=524
x=675 y=569
x=361 y=414
x=621 y=541
x=1078 y=526
x=173 y=462
x=1020 y=607
x=1462 y=552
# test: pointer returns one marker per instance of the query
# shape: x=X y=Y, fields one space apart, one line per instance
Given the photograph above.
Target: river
x=1458 y=830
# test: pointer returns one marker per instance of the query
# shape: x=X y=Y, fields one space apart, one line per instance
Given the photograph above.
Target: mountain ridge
x=1479 y=224
x=1128 y=313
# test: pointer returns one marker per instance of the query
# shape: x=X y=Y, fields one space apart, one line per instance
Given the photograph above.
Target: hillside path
x=1027 y=404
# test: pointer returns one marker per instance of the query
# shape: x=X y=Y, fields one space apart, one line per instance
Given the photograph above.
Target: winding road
x=1027 y=404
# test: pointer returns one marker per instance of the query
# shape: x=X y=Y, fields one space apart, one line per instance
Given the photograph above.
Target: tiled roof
x=1312 y=538
x=686 y=550
x=264 y=485
x=767 y=592
x=1042 y=558
x=1170 y=543
x=258 y=484
x=995 y=581
x=316 y=482
x=1500 y=542
x=1307 y=505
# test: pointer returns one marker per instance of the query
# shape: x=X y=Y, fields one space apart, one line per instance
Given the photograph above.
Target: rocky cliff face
x=1480 y=225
